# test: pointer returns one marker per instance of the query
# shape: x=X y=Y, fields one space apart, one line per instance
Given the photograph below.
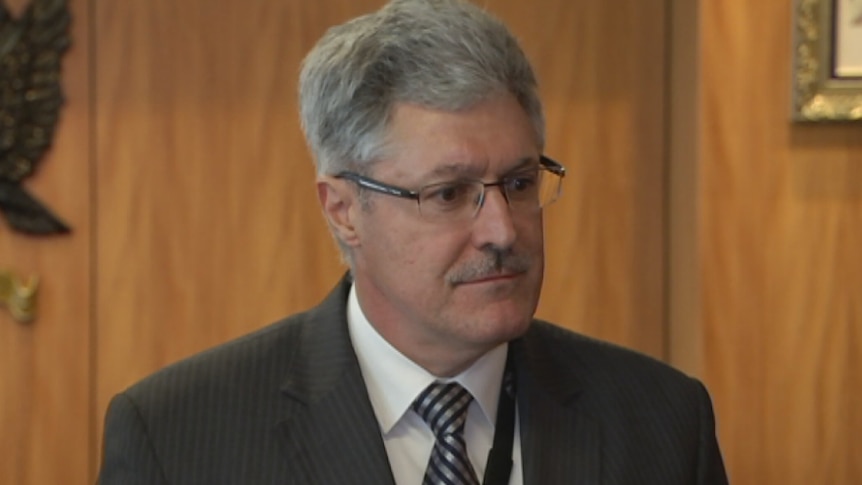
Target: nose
x=493 y=224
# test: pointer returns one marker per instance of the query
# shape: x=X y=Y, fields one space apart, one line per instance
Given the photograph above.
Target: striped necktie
x=444 y=408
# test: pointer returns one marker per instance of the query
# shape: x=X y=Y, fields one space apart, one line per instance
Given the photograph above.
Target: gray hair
x=440 y=54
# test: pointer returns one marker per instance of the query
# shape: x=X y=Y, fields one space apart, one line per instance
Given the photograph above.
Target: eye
x=524 y=182
x=448 y=196
x=448 y=193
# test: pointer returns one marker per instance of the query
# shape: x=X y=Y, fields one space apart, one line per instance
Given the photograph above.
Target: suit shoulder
x=596 y=358
x=243 y=361
x=612 y=380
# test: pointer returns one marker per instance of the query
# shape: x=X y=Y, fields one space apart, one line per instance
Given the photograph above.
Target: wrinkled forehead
x=489 y=139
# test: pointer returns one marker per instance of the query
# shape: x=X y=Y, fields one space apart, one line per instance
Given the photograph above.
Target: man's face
x=444 y=293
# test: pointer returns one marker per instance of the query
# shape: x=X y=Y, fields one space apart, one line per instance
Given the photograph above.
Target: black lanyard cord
x=499 y=465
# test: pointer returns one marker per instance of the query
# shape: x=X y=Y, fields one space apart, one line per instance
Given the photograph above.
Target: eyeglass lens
x=524 y=192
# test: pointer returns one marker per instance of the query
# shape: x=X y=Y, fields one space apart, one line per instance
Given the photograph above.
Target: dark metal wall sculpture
x=31 y=49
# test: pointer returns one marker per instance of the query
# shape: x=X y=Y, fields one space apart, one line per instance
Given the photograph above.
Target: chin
x=496 y=313
x=504 y=323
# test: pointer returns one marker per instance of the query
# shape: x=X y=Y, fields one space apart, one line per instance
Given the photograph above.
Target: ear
x=340 y=205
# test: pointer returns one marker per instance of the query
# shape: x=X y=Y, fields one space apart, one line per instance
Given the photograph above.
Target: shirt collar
x=393 y=381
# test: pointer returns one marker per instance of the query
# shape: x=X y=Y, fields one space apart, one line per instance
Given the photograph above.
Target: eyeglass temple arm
x=378 y=186
x=552 y=166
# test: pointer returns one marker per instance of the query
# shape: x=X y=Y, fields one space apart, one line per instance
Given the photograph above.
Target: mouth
x=492 y=278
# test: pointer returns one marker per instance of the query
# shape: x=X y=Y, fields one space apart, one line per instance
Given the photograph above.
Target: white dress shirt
x=393 y=382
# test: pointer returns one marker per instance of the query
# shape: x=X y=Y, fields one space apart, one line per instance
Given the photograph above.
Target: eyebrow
x=466 y=170
x=526 y=162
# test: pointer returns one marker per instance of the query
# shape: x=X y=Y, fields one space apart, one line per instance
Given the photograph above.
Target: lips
x=492 y=278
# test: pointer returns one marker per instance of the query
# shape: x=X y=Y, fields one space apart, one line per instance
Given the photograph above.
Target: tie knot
x=444 y=407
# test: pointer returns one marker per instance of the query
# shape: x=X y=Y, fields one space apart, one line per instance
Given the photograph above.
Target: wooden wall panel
x=45 y=413
x=207 y=226
x=779 y=270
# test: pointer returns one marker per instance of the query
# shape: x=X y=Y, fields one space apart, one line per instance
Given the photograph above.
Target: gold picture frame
x=822 y=91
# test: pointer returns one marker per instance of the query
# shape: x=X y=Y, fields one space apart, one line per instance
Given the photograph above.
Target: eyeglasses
x=525 y=191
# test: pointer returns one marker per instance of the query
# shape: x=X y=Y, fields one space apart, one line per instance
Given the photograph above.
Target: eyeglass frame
x=545 y=163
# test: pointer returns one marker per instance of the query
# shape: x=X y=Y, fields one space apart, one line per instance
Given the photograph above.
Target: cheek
x=427 y=247
x=530 y=234
x=414 y=249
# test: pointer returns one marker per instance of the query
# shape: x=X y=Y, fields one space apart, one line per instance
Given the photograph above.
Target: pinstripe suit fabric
x=287 y=405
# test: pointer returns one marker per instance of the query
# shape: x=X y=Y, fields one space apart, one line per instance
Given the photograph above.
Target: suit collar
x=559 y=442
x=324 y=351
x=329 y=430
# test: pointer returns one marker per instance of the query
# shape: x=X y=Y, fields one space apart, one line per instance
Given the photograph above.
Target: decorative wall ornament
x=31 y=49
x=18 y=296
x=827 y=67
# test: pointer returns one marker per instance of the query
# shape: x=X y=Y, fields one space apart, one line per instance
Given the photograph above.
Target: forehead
x=490 y=137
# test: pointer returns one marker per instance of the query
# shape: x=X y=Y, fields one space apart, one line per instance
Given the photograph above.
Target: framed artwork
x=827 y=67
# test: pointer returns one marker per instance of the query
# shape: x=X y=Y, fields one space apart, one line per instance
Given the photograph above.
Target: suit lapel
x=330 y=431
x=559 y=443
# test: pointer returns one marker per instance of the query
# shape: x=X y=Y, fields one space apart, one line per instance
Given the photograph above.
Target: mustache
x=493 y=262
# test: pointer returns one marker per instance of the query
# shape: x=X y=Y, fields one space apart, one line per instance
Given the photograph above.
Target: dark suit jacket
x=287 y=405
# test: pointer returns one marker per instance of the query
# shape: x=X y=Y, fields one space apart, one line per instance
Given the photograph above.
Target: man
x=425 y=364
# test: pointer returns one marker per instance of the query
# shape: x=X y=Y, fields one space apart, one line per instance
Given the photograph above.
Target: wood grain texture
x=45 y=366
x=684 y=331
x=207 y=220
x=780 y=229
